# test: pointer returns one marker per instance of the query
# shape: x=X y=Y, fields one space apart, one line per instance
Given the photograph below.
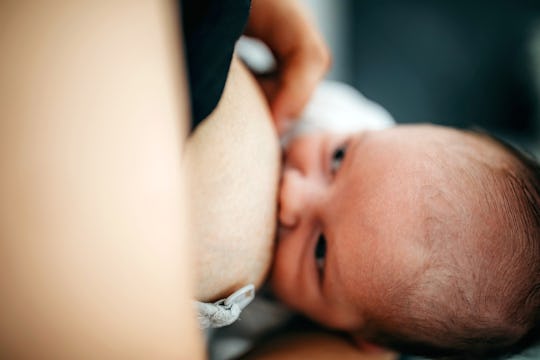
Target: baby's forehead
x=452 y=194
x=463 y=196
x=453 y=156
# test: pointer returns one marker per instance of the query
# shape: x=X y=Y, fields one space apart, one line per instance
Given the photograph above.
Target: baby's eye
x=320 y=252
x=337 y=158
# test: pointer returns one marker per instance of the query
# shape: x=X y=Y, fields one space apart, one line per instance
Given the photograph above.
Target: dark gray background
x=458 y=62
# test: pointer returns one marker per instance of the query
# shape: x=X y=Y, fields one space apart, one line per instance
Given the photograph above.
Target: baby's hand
x=301 y=53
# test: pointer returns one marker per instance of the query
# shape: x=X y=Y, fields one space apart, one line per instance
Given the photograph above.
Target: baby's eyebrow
x=360 y=138
x=357 y=141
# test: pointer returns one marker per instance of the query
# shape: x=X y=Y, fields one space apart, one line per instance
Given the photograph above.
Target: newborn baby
x=421 y=238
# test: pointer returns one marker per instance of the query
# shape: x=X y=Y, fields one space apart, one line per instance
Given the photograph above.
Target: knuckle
x=328 y=59
x=319 y=55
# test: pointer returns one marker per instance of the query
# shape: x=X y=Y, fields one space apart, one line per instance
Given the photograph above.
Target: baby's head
x=422 y=238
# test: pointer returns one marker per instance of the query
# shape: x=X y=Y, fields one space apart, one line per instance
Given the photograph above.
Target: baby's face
x=353 y=212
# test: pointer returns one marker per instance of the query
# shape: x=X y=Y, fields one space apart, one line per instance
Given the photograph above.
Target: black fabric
x=211 y=29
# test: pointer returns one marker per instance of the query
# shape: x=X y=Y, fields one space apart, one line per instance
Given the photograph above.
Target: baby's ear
x=372 y=349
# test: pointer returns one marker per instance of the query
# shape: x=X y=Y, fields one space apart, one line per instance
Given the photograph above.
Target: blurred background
x=457 y=63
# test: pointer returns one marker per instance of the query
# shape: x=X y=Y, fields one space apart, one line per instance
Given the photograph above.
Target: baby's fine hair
x=448 y=324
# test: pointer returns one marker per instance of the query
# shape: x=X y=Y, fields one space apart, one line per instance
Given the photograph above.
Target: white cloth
x=339 y=108
x=225 y=311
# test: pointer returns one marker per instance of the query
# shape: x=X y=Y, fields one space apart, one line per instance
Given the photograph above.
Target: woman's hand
x=301 y=53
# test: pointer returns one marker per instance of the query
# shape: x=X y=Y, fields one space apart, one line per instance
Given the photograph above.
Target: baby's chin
x=276 y=287
x=279 y=282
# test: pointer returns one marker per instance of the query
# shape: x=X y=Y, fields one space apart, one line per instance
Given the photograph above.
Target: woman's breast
x=233 y=161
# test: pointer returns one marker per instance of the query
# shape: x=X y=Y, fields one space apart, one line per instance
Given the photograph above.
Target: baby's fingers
x=299 y=75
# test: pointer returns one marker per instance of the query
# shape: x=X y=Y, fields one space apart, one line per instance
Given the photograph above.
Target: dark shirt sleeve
x=211 y=29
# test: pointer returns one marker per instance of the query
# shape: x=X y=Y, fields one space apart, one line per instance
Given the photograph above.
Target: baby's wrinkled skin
x=360 y=214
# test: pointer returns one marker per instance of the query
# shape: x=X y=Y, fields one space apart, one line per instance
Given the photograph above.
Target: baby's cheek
x=278 y=276
x=282 y=281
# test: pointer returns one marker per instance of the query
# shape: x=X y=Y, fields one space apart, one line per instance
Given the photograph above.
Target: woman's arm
x=93 y=255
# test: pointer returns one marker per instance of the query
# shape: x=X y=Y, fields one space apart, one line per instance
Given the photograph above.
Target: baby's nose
x=291 y=198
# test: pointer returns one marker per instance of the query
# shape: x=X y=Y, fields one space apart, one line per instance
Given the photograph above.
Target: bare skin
x=233 y=157
x=233 y=160
x=302 y=55
x=234 y=244
x=367 y=212
x=89 y=238
x=94 y=260
x=316 y=345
